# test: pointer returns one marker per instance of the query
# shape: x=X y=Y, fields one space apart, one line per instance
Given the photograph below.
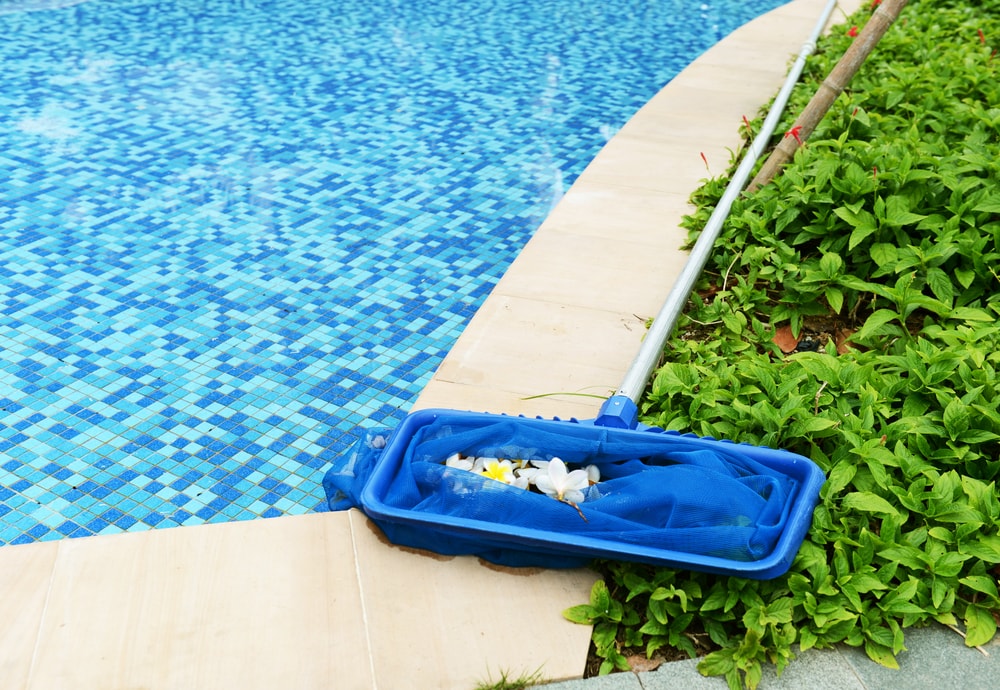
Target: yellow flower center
x=500 y=470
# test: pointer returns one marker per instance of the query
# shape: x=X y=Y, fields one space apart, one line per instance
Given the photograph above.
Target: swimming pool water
x=234 y=231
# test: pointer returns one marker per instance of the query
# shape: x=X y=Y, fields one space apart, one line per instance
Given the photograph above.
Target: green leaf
x=985 y=548
x=980 y=626
x=941 y=285
x=674 y=378
x=881 y=654
x=897 y=212
x=822 y=367
x=956 y=418
x=971 y=314
x=940 y=590
x=989 y=205
x=965 y=277
x=735 y=322
x=658 y=611
x=903 y=608
x=811 y=425
x=754 y=672
x=835 y=298
x=604 y=636
x=780 y=611
x=868 y=502
x=715 y=600
x=717 y=663
x=600 y=596
x=905 y=555
x=859 y=234
x=840 y=476
x=831 y=264
x=884 y=254
x=862 y=221
x=958 y=514
x=874 y=324
x=865 y=583
x=654 y=627
x=582 y=614
x=983 y=585
x=949 y=564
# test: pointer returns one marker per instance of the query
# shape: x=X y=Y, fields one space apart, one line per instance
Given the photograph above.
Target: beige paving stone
x=453 y=622
x=536 y=347
x=664 y=164
x=593 y=272
x=692 y=100
x=616 y=212
x=25 y=574
x=581 y=404
x=760 y=58
x=261 y=604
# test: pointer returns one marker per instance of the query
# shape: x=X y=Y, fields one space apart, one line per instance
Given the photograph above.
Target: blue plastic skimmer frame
x=664 y=498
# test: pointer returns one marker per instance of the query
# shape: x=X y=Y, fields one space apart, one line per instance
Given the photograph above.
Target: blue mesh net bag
x=656 y=490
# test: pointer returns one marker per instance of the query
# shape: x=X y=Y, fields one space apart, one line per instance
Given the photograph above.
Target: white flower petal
x=576 y=480
x=544 y=484
x=557 y=471
x=527 y=473
x=458 y=462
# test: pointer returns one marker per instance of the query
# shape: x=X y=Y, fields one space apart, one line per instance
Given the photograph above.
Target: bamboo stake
x=835 y=83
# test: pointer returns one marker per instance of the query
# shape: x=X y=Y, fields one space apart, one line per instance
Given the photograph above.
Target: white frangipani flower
x=561 y=484
x=500 y=470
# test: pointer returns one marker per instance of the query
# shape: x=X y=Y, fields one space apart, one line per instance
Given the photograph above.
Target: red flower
x=704 y=159
x=795 y=131
x=875 y=3
x=746 y=122
x=982 y=36
x=852 y=32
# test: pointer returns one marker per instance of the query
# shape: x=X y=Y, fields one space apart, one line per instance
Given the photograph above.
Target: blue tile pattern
x=234 y=231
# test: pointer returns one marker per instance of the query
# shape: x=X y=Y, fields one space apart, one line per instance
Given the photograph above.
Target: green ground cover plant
x=878 y=251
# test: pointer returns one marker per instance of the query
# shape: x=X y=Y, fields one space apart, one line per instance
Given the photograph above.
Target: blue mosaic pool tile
x=232 y=233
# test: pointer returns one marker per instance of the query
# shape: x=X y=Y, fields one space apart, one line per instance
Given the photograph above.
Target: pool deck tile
x=465 y=616
x=599 y=273
x=498 y=344
x=25 y=574
x=267 y=603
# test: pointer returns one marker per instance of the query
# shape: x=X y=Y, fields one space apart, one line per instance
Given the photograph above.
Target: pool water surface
x=233 y=232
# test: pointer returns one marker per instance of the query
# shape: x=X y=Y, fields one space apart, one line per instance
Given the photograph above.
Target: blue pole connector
x=618 y=412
